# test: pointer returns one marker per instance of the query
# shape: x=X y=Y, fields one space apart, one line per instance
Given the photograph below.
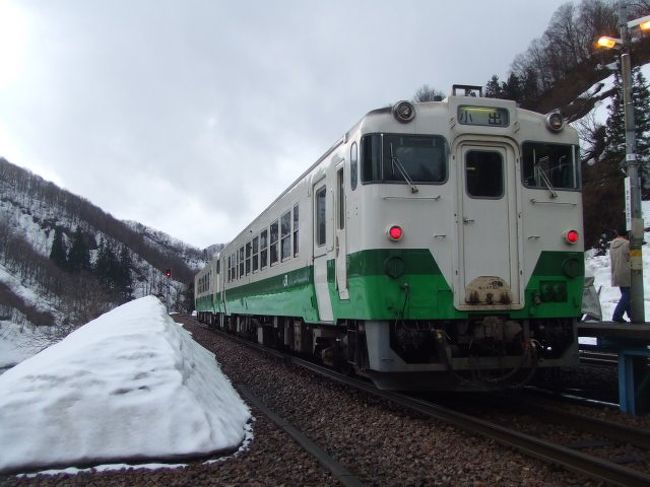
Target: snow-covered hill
x=35 y=290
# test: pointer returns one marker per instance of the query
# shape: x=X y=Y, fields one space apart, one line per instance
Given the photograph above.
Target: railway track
x=337 y=470
x=580 y=459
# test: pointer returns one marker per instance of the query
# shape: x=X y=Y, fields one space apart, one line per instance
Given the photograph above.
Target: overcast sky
x=191 y=116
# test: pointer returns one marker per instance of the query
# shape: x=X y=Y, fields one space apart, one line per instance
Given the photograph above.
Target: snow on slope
x=131 y=383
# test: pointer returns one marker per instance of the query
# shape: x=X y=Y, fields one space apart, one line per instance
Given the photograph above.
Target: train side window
x=229 y=269
x=285 y=238
x=341 y=199
x=264 y=252
x=241 y=261
x=274 y=242
x=296 y=226
x=255 y=254
x=321 y=197
x=484 y=174
x=371 y=158
x=248 y=258
x=234 y=266
x=354 y=163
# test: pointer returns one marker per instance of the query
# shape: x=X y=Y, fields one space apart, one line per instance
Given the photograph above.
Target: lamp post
x=633 y=204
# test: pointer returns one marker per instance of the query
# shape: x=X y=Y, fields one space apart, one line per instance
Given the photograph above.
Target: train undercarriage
x=484 y=353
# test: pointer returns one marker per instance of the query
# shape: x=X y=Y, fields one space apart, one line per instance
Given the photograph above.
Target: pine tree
x=615 y=133
x=493 y=88
x=125 y=284
x=641 y=100
x=58 y=252
x=79 y=255
x=615 y=138
x=511 y=89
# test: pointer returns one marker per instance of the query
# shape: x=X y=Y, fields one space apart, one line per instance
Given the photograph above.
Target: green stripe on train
x=419 y=292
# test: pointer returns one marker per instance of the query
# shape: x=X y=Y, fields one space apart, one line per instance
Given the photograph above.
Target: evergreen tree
x=511 y=89
x=79 y=255
x=58 y=252
x=615 y=138
x=125 y=281
x=641 y=100
x=493 y=88
x=615 y=133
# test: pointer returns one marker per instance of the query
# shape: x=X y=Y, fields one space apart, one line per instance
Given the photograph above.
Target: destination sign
x=483 y=116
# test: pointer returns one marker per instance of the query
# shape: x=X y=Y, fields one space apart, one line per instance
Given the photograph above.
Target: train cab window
x=264 y=252
x=248 y=258
x=285 y=238
x=484 y=174
x=354 y=164
x=296 y=227
x=256 y=243
x=321 y=196
x=241 y=262
x=550 y=166
x=397 y=158
x=274 y=242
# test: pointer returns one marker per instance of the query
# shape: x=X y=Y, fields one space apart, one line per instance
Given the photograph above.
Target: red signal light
x=572 y=237
x=395 y=233
x=168 y=273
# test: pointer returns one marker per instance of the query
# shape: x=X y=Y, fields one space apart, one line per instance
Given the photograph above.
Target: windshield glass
x=422 y=158
x=550 y=166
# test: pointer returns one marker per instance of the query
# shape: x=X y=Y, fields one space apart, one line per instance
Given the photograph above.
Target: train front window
x=386 y=158
x=550 y=166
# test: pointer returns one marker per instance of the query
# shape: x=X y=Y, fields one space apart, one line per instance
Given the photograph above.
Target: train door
x=487 y=225
x=340 y=250
x=322 y=240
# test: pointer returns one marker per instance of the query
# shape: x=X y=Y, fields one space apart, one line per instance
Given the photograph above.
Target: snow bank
x=130 y=384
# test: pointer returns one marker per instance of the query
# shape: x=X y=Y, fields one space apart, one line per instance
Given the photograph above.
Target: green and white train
x=434 y=246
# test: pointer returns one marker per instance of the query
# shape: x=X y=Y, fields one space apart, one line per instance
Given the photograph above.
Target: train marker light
x=572 y=237
x=404 y=111
x=555 y=121
x=395 y=233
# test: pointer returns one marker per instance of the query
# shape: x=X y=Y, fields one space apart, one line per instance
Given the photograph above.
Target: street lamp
x=633 y=213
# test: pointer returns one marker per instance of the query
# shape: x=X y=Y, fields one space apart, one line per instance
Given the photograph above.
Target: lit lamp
x=634 y=217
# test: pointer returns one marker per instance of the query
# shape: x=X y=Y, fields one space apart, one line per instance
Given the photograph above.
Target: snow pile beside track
x=131 y=384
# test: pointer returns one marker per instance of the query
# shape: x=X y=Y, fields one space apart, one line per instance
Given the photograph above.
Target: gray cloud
x=192 y=116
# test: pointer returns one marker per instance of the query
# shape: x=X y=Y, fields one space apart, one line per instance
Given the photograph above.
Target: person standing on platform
x=619 y=255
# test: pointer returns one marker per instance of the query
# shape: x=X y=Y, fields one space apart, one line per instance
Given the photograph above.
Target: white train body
x=418 y=250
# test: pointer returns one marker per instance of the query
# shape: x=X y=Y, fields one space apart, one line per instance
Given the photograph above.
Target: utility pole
x=632 y=170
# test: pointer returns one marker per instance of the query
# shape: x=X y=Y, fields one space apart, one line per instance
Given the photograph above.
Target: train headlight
x=571 y=237
x=555 y=121
x=395 y=233
x=404 y=111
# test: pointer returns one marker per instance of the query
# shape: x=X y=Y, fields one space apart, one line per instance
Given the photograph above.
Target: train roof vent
x=467 y=90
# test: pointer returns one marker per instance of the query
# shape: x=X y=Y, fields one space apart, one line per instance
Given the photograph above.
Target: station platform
x=631 y=342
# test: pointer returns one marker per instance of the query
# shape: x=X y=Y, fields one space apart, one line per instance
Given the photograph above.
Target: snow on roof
x=130 y=384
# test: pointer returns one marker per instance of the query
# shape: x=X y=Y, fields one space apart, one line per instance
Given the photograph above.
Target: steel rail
x=575 y=461
x=338 y=471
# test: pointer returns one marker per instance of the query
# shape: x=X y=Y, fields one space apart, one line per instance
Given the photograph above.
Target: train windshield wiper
x=396 y=163
x=542 y=173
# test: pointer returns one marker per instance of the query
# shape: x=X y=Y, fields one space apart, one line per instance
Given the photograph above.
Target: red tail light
x=395 y=233
x=571 y=237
